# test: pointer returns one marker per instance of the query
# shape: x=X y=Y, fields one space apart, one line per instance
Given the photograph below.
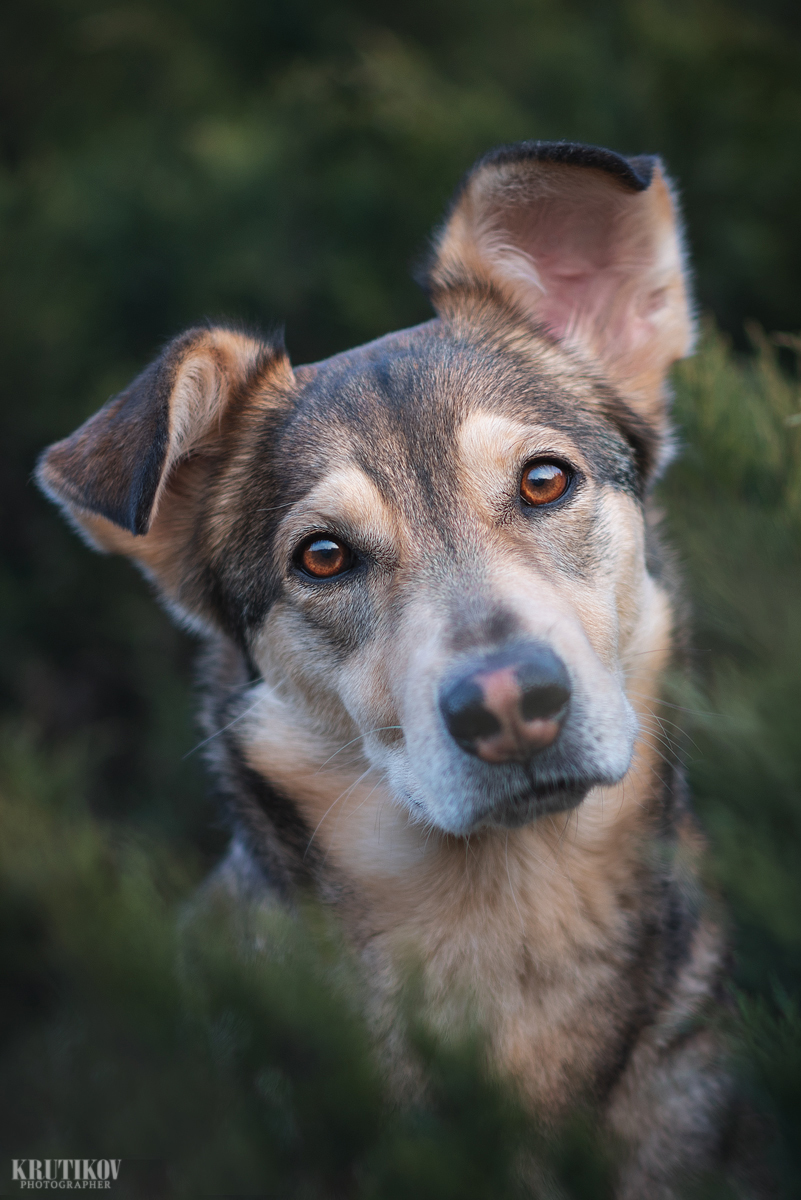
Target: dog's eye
x=543 y=482
x=323 y=557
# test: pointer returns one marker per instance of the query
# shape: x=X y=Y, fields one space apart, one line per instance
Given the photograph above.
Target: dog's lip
x=538 y=800
x=542 y=792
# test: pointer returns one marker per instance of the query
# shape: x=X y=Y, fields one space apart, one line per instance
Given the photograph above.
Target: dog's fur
x=559 y=893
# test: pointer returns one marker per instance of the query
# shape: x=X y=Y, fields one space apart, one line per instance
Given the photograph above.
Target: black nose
x=508 y=706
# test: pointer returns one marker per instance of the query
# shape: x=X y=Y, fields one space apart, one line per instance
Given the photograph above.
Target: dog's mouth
x=538 y=800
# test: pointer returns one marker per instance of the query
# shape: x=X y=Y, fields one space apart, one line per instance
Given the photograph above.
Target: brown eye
x=323 y=557
x=543 y=482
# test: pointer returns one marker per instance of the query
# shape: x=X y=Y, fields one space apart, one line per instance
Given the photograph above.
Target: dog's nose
x=508 y=707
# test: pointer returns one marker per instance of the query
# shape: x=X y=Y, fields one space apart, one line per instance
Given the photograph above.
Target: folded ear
x=586 y=243
x=134 y=477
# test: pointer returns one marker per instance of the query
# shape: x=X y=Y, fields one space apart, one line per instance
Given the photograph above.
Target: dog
x=440 y=617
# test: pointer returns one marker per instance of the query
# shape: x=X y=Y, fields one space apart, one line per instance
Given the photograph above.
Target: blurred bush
x=283 y=162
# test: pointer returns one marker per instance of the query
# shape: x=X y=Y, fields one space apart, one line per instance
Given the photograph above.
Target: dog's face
x=431 y=547
x=458 y=572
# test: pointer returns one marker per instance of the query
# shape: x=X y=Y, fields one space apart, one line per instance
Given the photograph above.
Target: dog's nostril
x=463 y=708
x=544 y=686
x=543 y=702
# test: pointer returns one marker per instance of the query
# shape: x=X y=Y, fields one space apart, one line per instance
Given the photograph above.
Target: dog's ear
x=134 y=477
x=587 y=244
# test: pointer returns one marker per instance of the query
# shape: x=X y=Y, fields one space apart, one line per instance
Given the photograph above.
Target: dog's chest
x=547 y=962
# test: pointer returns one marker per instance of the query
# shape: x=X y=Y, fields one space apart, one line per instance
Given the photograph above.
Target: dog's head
x=431 y=547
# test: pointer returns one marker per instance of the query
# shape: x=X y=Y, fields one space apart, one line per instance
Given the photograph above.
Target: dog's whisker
x=641 y=762
x=218 y=732
x=693 y=712
x=511 y=885
x=641 y=653
x=361 y=802
x=651 y=720
x=331 y=806
x=560 y=837
x=359 y=737
x=352 y=812
x=653 y=733
x=432 y=829
x=656 y=731
x=276 y=507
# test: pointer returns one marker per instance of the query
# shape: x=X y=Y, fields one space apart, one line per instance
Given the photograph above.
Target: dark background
x=283 y=163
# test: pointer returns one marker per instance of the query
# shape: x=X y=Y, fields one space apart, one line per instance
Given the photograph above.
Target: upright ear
x=134 y=477
x=588 y=244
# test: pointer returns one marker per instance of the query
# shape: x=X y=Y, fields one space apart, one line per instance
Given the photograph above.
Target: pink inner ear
x=601 y=307
x=593 y=267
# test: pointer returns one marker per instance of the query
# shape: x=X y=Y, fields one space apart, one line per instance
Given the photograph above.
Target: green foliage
x=276 y=162
x=734 y=505
x=733 y=509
